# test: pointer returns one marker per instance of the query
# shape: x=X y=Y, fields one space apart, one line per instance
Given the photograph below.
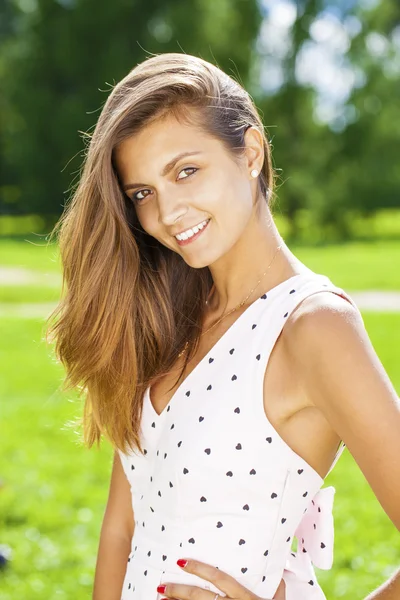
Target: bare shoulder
x=338 y=370
x=322 y=319
x=325 y=329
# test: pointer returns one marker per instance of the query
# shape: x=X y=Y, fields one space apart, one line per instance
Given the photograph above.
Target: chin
x=196 y=262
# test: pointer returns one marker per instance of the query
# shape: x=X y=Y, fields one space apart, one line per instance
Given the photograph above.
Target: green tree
x=56 y=77
x=333 y=170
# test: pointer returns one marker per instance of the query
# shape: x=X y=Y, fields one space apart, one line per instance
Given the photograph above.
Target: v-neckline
x=212 y=349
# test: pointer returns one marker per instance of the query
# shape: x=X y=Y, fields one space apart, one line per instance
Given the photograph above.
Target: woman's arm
x=390 y=590
x=342 y=375
x=115 y=538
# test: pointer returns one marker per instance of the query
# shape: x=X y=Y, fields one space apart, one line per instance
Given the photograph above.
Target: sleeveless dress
x=217 y=483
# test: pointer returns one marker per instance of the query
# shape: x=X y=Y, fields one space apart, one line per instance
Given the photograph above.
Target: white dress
x=217 y=483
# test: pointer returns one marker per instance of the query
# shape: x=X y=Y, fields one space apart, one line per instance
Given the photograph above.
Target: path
x=368 y=300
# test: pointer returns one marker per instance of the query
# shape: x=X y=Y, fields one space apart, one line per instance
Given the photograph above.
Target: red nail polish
x=161 y=589
x=182 y=562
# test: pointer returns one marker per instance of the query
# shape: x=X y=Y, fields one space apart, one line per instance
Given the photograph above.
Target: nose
x=171 y=210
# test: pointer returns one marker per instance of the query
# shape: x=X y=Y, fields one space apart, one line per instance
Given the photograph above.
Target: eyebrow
x=168 y=167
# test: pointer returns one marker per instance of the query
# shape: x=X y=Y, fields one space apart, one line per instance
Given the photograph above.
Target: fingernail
x=161 y=589
x=182 y=562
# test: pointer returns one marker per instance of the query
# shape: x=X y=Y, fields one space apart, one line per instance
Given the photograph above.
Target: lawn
x=353 y=266
x=54 y=491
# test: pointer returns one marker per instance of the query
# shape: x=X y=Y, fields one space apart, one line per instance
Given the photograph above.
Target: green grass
x=54 y=491
x=29 y=252
x=355 y=265
x=352 y=266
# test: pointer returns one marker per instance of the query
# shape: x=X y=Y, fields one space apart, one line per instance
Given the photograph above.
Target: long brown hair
x=130 y=303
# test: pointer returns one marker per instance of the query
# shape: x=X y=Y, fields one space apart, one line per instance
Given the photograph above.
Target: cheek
x=236 y=207
x=227 y=197
x=147 y=219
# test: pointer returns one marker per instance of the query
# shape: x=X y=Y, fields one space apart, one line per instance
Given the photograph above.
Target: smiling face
x=172 y=196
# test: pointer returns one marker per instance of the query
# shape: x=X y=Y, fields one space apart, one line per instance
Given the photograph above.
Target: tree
x=56 y=77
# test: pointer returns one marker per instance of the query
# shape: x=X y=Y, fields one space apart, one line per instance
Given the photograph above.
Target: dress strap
x=339 y=452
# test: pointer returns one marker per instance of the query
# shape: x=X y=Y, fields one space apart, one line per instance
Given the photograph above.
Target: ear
x=254 y=149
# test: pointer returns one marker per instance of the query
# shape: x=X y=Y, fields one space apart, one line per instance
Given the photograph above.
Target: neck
x=237 y=273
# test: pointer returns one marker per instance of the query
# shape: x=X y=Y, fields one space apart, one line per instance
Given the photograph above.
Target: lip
x=194 y=237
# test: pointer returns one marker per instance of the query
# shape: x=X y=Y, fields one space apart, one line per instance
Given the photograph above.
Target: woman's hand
x=221 y=580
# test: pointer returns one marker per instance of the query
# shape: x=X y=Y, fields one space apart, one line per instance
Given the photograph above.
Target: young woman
x=227 y=375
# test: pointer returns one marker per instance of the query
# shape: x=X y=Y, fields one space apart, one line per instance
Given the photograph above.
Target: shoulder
x=321 y=326
x=339 y=372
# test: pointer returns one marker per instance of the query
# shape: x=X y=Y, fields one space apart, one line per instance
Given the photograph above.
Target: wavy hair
x=128 y=304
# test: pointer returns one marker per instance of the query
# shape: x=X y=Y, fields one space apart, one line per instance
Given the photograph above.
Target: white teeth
x=190 y=232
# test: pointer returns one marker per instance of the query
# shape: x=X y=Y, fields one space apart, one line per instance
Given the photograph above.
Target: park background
x=325 y=77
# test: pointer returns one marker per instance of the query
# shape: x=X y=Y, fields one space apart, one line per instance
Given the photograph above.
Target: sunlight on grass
x=54 y=491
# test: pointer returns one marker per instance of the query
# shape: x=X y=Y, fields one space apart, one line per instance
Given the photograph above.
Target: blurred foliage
x=57 y=74
x=346 y=169
x=60 y=59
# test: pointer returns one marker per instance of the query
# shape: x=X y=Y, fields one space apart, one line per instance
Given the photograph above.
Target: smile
x=188 y=236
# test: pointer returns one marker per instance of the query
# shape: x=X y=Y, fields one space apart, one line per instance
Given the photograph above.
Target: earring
x=254 y=173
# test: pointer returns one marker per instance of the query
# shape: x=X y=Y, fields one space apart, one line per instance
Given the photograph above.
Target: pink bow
x=315 y=535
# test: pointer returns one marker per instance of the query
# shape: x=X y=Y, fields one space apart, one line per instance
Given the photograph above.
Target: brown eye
x=135 y=196
x=188 y=169
x=137 y=199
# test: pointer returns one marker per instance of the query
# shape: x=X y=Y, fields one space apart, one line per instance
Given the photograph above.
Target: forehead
x=161 y=140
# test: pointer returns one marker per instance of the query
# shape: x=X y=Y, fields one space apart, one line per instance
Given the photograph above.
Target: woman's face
x=173 y=193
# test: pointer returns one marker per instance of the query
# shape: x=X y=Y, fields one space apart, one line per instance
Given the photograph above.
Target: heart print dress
x=217 y=483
